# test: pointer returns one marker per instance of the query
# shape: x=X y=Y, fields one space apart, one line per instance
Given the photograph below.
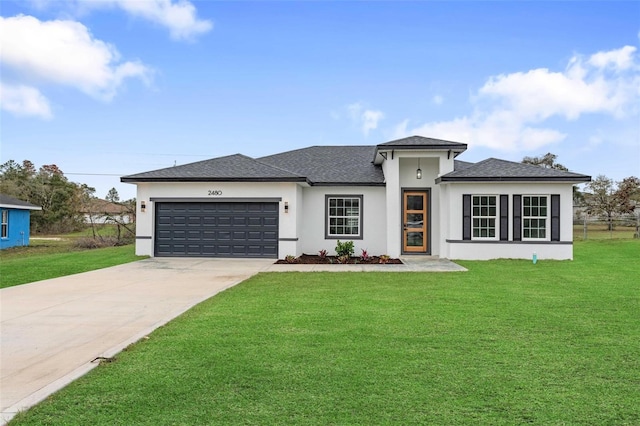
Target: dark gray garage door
x=222 y=229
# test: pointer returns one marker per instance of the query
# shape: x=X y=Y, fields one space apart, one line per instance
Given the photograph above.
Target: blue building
x=14 y=226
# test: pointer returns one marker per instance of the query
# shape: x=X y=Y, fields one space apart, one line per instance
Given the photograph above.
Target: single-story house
x=15 y=220
x=405 y=197
x=97 y=210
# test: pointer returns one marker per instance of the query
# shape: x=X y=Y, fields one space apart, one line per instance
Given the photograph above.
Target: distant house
x=16 y=215
x=97 y=210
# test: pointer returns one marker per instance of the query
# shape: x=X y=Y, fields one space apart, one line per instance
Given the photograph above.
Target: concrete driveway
x=51 y=330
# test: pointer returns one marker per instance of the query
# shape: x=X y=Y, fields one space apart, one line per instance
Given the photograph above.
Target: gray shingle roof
x=330 y=165
x=6 y=201
x=236 y=167
x=493 y=169
x=420 y=142
x=461 y=165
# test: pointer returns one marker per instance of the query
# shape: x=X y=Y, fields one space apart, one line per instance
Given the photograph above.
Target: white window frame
x=338 y=216
x=5 y=224
x=532 y=212
x=481 y=215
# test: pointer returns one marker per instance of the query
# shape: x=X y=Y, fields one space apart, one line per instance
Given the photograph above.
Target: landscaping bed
x=309 y=259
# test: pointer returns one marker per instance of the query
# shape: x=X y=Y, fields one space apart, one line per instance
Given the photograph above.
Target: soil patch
x=309 y=259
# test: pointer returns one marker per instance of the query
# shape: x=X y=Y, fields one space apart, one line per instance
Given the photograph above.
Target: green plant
x=290 y=258
x=365 y=255
x=343 y=259
x=384 y=258
x=344 y=249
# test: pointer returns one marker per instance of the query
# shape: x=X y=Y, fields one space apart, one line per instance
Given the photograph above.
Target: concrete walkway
x=51 y=330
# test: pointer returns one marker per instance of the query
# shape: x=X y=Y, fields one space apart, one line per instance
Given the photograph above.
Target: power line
x=96 y=174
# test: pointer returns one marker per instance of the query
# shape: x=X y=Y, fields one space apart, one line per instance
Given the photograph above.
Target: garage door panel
x=213 y=229
x=224 y=221
x=270 y=235
x=268 y=221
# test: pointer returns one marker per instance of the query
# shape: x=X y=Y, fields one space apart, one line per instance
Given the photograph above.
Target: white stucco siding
x=391 y=170
x=452 y=227
x=312 y=228
x=288 y=192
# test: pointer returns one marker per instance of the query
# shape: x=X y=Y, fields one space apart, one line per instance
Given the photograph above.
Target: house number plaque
x=214 y=192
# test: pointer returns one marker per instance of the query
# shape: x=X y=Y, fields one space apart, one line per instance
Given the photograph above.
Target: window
x=534 y=216
x=5 y=223
x=343 y=216
x=484 y=214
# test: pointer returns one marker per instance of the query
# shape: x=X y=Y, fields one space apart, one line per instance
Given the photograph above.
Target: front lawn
x=53 y=259
x=508 y=343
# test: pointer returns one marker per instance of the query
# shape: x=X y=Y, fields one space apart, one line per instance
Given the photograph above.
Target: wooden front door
x=414 y=220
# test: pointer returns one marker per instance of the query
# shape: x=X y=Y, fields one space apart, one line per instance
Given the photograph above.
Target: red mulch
x=309 y=259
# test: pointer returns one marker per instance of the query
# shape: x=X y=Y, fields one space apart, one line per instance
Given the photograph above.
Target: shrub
x=290 y=258
x=323 y=254
x=344 y=249
x=364 y=256
x=343 y=259
x=94 y=243
x=384 y=258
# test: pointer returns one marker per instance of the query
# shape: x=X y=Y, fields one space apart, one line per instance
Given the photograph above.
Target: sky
x=107 y=88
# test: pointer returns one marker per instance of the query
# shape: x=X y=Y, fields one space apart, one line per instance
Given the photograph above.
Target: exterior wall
x=312 y=229
x=17 y=230
x=288 y=192
x=452 y=246
x=393 y=226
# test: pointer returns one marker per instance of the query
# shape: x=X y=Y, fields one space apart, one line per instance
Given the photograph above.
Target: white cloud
x=366 y=119
x=23 y=100
x=510 y=108
x=179 y=17
x=65 y=53
x=620 y=59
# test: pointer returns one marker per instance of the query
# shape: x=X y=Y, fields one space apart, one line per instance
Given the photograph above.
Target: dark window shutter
x=466 y=217
x=504 y=217
x=517 y=218
x=555 y=217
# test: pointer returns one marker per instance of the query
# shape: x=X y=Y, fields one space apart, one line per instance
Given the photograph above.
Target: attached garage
x=216 y=229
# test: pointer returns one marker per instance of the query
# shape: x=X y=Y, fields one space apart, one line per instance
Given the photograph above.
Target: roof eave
x=457 y=149
x=348 y=184
x=19 y=207
x=558 y=179
x=129 y=179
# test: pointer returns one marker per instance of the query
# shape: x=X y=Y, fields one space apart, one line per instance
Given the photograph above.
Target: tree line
x=64 y=203
x=602 y=196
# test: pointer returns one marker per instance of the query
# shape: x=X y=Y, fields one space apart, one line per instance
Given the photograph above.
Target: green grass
x=51 y=259
x=506 y=343
x=599 y=231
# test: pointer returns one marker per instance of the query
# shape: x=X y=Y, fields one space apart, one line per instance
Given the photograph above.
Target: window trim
x=547 y=218
x=495 y=217
x=4 y=224
x=327 y=217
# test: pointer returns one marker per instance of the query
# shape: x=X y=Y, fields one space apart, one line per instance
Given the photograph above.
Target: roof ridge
x=257 y=160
